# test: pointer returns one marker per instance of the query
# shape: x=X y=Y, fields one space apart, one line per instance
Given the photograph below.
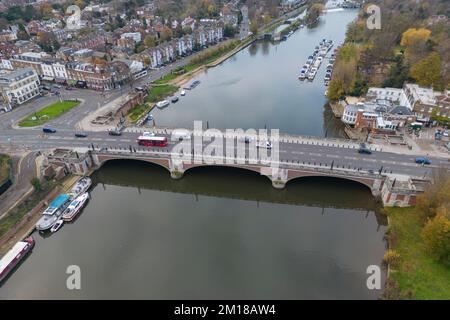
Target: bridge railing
x=285 y=138
x=326 y=168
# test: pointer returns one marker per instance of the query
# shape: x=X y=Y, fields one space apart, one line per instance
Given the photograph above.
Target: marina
x=311 y=67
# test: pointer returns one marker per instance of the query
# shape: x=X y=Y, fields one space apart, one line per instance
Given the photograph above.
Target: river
x=259 y=87
x=220 y=232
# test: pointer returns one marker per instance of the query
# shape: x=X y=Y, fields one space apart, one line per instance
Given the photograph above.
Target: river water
x=259 y=87
x=220 y=232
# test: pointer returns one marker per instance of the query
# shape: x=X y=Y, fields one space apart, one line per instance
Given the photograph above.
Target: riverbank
x=22 y=218
x=415 y=274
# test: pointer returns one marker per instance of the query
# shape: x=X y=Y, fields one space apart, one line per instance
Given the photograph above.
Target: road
x=34 y=139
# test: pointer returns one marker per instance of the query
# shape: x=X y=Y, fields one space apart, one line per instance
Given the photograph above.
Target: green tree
x=36 y=183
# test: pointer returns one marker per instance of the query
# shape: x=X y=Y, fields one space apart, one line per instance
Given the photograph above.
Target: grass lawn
x=5 y=165
x=138 y=110
x=48 y=113
x=418 y=272
x=160 y=92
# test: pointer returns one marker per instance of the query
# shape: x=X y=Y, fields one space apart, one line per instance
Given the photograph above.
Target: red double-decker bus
x=149 y=141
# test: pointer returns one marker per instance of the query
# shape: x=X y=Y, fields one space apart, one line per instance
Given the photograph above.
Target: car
x=57 y=86
x=148 y=134
x=364 y=149
x=445 y=134
x=174 y=99
x=49 y=130
x=422 y=160
x=114 y=133
x=80 y=135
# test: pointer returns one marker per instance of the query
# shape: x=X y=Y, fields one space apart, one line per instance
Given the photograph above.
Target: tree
x=436 y=195
x=229 y=31
x=414 y=37
x=427 y=72
x=314 y=13
x=36 y=183
x=414 y=41
x=166 y=34
x=335 y=90
x=436 y=236
x=46 y=10
x=254 y=27
x=149 y=41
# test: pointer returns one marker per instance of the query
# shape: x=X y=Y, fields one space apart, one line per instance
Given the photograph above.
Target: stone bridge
x=279 y=175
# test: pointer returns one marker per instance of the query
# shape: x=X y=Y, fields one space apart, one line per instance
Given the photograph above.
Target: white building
x=5 y=64
x=136 y=36
x=19 y=86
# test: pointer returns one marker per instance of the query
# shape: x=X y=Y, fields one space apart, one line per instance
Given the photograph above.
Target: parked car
x=49 y=130
x=80 y=135
x=423 y=160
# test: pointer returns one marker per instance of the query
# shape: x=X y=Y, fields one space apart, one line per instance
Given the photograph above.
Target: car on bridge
x=423 y=160
x=48 y=130
x=80 y=134
x=114 y=132
x=364 y=149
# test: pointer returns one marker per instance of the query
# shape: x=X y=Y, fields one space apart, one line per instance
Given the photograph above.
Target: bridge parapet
x=279 y=172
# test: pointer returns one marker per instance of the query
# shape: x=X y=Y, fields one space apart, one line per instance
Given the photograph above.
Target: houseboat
x=80 y=187
x=53 y=212
x=75 y=207
x=17 y=253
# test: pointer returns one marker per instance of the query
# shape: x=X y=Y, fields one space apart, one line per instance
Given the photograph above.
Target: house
x=136 y=36
x=19 y=86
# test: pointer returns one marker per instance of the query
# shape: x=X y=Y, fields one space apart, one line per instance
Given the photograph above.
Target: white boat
x=162 y=104
x=53 y=212
x=75 y=207
x=183 y=93
x=58 y=224
x=81 y=187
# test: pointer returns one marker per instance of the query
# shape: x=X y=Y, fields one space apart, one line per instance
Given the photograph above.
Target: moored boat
x=18 y=252
x=81 y=187
x=75 y=207
x=58 y=224
x=53 y=212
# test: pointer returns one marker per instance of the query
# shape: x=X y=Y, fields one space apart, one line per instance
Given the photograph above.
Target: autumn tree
x=427 y=72
x=166 y=34
x=414 y=41
x=149 y=41
x=436 y=236
x=46 y=10
x=436 y=195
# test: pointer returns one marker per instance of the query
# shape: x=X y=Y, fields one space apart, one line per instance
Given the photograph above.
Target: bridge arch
x=253 y=169
x=158 y=162
x=365 y=182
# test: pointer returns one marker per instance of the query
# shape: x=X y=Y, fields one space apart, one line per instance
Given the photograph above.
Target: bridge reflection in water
x=236 y=183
